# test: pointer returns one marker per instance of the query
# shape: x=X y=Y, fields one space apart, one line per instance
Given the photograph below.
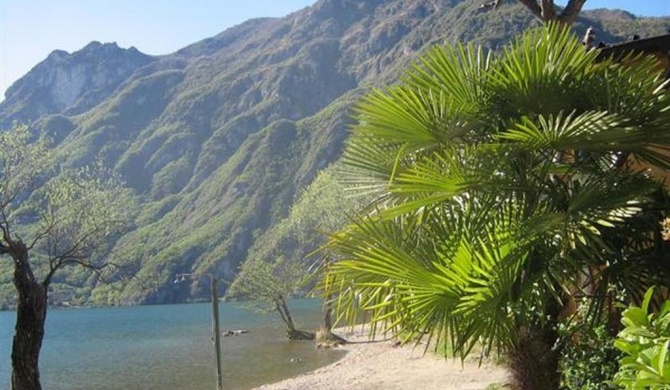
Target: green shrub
x=590 y=362
x=644 y=341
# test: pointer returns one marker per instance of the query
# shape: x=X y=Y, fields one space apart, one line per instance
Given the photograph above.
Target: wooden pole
x=217 y=332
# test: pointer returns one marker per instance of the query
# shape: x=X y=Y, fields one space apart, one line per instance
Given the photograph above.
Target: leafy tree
x=267 y=286
x=280 y=262
x=511 y=189
x=45 y=229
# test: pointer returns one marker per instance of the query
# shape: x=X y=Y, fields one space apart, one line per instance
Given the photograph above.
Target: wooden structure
x=658 y=46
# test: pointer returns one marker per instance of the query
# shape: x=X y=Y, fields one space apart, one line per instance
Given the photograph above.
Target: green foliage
x=645 y=342
x=281 y=263
x=499 y=194
x=22 y=164
x=322 y=208
x=63 y=216
x=262 y=284
x=194 y=133
x=590 y=360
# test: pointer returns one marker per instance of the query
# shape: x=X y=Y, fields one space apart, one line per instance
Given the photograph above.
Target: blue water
x=166 y=347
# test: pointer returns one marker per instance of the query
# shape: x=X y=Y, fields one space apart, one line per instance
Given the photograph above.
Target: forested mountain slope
x=219 y=138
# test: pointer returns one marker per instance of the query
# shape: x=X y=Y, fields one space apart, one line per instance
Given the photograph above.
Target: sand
x=385 y=365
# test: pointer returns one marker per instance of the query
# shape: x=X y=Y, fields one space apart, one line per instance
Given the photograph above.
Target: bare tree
x=66 y=217
x=545 y=10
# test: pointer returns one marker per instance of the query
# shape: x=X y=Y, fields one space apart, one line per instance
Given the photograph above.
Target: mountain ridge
x=218 y=138
x=74 y=82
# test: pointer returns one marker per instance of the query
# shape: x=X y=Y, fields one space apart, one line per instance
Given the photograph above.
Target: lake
x=167 y=347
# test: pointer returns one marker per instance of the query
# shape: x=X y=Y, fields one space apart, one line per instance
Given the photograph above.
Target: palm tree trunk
x=30 y=319
x=533 y=364
x=534 y=360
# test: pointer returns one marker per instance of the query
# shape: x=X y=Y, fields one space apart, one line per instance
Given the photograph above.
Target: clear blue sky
x=31 y=29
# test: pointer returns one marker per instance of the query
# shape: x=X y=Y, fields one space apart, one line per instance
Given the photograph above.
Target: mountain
x=70 y=84
x=219 y=138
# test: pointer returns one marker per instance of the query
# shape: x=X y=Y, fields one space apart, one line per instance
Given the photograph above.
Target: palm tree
x=507 y=194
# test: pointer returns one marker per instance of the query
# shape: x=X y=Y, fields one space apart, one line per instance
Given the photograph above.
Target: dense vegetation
x=218 y=140
x=645 y=342
x=514 y=203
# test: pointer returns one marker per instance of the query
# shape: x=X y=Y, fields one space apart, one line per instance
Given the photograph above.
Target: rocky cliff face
x=70 y=84
x=218 y=138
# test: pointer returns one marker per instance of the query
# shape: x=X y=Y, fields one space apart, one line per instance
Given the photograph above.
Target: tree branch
x=40 y=236
x=77 y=246
x=545 y=10
x=52 y=270
x=533 y=7
x=548 y=10
x=279 y=310
x=77 y=260
x=4 y=225
x=571 y=11
x=71 y=256
x=5 y=234
x=7 y=245
x=4 y=249
x=9 y=200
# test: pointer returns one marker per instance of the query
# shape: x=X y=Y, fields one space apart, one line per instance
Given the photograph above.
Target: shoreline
x=383 y=364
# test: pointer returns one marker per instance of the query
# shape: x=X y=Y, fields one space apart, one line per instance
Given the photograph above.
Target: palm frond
x=503 y=188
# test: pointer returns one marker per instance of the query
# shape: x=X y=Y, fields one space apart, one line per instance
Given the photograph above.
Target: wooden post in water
x=217 y=332
x=215 y=319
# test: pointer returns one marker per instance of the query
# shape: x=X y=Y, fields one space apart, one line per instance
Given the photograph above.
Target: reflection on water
x=166 y=347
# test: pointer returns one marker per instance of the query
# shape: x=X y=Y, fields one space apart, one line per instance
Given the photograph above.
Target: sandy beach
x=384 y=365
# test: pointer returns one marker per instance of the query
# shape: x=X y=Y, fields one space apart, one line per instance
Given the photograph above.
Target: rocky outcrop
x=70 y=84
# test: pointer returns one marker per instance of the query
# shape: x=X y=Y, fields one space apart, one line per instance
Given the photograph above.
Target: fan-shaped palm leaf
x=504 y=191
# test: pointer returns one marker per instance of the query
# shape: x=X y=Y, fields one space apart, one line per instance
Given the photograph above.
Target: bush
x=590 y=362
x=644 y=341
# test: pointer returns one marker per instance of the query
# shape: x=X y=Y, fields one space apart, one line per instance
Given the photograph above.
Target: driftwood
x=229 y=333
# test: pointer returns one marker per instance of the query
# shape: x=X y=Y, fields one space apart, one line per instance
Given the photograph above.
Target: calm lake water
x=166 y=347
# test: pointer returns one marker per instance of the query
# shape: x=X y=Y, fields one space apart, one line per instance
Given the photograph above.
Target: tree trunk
x=545 y=12
x=30 y=317
x=291 y=332
x=571 y=11
x=284 y=313
x=533 y=363
x=328 y=339
x=534 y=360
